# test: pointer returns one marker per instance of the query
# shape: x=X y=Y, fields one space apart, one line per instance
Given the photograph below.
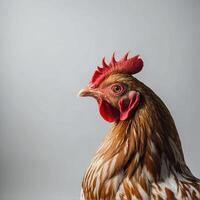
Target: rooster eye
x=117 y=89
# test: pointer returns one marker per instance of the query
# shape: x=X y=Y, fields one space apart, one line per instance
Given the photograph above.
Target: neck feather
x=136 y=148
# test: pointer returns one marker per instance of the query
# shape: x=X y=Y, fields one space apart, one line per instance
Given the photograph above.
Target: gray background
x=49 y=50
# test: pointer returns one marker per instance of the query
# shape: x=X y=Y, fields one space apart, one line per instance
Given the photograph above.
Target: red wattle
x=108 y=112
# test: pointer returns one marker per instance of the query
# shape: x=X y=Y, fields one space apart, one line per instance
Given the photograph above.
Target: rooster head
x=112 y=85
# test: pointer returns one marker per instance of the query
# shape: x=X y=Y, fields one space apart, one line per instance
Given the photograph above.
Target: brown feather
x=140 y=154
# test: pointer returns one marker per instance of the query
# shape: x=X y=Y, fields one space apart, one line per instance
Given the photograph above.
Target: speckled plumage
x=141 y=157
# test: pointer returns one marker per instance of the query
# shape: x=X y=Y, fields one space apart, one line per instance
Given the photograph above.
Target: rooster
x=141 y=156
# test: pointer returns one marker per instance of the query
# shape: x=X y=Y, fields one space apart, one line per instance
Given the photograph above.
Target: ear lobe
x=128 y=104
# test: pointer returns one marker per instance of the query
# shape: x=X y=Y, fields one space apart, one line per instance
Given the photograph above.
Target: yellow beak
x=86 y=92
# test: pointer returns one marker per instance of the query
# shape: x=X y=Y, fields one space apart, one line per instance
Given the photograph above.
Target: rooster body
x=141 y=157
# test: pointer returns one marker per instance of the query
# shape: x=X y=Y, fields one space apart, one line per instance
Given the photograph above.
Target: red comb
x=130 y=66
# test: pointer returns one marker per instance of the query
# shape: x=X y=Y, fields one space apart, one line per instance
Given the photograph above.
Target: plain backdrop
x=49 y=50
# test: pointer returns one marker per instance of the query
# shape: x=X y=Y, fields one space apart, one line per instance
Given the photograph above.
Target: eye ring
x=117 y=89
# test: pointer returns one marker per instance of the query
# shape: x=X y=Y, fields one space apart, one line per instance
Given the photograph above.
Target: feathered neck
x=135 y=149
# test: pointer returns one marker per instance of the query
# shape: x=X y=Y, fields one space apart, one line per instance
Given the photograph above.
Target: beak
x=85 y=92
